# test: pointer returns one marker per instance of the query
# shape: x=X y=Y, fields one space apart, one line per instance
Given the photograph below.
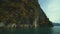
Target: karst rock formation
x=22 y=12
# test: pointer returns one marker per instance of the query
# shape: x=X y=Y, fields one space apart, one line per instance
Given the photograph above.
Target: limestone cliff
x=22 y=12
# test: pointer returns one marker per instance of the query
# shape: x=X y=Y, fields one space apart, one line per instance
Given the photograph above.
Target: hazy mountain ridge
x=56 y=24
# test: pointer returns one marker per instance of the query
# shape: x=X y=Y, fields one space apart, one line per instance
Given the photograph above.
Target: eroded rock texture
x=22 y=12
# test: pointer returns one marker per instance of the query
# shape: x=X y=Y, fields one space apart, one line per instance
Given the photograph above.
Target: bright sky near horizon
x=52 y=9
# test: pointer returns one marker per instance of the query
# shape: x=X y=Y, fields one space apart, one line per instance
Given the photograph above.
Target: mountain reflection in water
x=40 y=30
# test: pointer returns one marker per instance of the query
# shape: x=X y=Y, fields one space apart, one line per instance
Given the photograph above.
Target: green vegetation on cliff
x=22 y=12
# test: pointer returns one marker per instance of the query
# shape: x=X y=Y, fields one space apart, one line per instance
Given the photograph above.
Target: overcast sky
x=52 y=9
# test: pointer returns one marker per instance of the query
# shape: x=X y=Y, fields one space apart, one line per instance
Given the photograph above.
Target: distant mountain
x=56 y=24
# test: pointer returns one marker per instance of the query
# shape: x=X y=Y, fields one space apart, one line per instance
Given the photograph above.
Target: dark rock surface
x=22 y=12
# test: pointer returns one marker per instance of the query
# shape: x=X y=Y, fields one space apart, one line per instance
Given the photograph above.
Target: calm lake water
x=40 y=30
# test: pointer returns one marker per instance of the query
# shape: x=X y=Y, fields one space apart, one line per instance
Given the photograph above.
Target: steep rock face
x=22 y=12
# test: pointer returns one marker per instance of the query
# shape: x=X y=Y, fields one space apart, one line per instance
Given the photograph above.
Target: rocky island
x=22 y=13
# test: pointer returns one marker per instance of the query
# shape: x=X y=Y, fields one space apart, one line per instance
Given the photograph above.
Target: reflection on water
x=40 y=30
x=44 y=30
